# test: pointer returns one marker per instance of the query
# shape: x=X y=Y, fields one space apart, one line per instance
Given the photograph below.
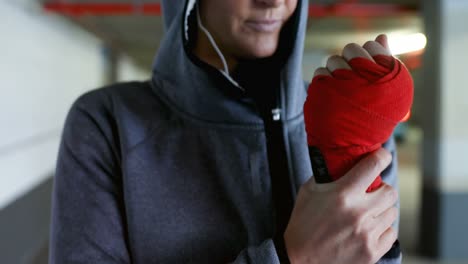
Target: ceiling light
x=401 y=44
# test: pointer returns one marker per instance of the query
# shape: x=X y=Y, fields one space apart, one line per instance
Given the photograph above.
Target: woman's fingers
x=322 y=71
x=382 y=39
x=382 y=222
x=382 y=199
x=353 y=50
x=337 y=62
x=374 y=48
x=361 y=176
x=386 y=241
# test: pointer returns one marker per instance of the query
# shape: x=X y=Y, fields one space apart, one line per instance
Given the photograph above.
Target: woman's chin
x=261 y=49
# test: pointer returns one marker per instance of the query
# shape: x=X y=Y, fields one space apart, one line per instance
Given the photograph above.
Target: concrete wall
x=46 y=63
x=454 y=96
x=444 y=232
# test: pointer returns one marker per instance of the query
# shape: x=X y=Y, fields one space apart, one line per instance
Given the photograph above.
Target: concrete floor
x=410 y=181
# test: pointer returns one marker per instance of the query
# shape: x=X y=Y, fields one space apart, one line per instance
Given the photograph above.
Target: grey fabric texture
x=174 y=170
x=391 y=261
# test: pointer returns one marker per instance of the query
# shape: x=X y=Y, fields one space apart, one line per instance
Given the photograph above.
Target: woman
x=202 y=163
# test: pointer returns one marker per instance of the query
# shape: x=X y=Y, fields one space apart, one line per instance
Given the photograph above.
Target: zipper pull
x=276 y=114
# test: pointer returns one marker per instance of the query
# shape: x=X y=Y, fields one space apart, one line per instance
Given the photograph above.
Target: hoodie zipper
x=282 y=195
x=276 y=114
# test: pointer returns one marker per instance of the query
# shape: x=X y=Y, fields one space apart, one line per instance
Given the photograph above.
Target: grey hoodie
x=180 y=169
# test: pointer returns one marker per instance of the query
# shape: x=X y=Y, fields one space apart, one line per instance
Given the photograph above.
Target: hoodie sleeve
x=87 y=223
x=390 y=176
x=396 y=260
x=265 y=253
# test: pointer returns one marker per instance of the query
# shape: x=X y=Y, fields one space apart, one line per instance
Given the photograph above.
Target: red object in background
x=412 y=60
x=352 y=113
x=358 y=10
x=154 y=9
x=80 y=9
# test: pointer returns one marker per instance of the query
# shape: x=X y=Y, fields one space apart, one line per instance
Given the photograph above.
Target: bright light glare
x=401 y=44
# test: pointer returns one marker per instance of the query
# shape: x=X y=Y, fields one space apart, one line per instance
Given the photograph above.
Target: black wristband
x=319 y=166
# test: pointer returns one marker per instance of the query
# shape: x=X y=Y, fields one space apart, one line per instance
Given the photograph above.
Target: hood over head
x=200 y=91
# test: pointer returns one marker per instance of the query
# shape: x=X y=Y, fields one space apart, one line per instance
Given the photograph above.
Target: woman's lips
x=266 y=26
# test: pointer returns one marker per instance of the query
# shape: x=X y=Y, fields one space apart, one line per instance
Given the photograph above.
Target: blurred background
x=54 y=50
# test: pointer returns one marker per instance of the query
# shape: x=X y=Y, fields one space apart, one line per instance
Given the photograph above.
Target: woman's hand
x=339 y=222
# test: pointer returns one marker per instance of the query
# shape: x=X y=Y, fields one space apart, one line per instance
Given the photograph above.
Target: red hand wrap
x=354 y=112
